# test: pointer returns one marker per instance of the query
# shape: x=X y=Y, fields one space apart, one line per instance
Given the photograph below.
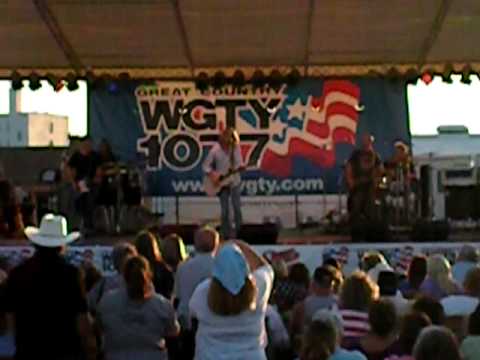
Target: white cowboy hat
x=52 y=232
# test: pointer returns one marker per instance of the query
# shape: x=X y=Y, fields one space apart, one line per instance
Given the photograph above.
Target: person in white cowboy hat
x=46 y=291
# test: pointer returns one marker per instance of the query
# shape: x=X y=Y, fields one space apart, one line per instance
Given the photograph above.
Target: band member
x=400 y=167
x=225 y=157
x=363 y=173
x=400 y=173
x=84 y=165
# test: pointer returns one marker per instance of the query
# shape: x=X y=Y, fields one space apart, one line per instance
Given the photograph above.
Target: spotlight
x=466 y=75
x=219 y=80
x=393 y=74
x=258 y=79
x=276 y=80
x=34 y=83
x=112 y=87
x=447 y=74
x=56 y=83
x=238 y=78
x=411 y=76
x=201 y=82
x=293 y=77
x=427 y=78
x=72 y=82
x=16 y=80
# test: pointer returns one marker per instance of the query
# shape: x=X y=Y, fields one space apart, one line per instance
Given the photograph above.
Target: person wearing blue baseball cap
x=230 y=307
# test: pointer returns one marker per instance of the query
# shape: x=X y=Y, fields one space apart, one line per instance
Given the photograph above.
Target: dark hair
x=320 y=341
x=332 y=262
x=387 y=283
x=323 y=277
x=299 y=274
x=432 y=308
x=382 y=317
x=474 y=322
x=147 y=246
x=411 y=326
x=417 y=271
x=436 y=342
x=471 y=283
x=120 y=253
x=173 y=249
x=138 y=277
x=357 y=292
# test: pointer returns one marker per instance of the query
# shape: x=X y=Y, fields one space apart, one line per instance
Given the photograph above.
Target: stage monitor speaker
x=366 y=231
x=430 y=231
x=259 y=234
x=185 y=231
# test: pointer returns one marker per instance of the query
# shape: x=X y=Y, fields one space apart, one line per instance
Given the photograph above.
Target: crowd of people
x=225 y=301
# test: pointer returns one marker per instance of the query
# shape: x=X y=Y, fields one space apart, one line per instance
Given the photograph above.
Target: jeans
x=225 y=195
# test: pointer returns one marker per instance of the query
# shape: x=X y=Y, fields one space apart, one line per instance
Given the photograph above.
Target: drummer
x=400 y=167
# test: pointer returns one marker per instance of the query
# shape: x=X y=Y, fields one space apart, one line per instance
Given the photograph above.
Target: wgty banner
x=296 y=139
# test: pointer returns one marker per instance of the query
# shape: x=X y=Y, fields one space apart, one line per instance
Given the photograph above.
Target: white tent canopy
x=182 y=37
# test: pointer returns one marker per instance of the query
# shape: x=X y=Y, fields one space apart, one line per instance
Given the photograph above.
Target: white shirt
x=237 y=337
x=276 y=328
x=219 y=160
x=459 y=305
x=189 y=274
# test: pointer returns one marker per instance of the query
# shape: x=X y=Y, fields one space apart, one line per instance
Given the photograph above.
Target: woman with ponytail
x=135 y=320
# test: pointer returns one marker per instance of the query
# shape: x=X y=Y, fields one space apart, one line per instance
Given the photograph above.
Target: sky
x=45 y=100
x=430 y=105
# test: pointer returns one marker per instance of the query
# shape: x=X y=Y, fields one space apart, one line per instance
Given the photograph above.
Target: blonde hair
x=230 y=136
x=223 y=303
x=358 y=292
x=439 y=270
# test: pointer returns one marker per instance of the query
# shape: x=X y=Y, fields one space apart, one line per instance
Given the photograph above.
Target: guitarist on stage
x=363 y=172
x=223 y=159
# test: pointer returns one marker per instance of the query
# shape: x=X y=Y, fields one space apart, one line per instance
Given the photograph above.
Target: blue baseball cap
x=230 y=268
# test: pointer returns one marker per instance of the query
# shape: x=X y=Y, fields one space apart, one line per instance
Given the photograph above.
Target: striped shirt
x=355 y=323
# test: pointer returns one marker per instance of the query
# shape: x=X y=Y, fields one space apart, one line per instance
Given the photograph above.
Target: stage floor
x=286 y=237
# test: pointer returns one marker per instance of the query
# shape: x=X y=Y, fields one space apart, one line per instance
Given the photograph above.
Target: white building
x=31 y=129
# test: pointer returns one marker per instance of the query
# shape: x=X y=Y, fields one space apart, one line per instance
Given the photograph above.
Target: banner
x=398 y=255
x=296 y=138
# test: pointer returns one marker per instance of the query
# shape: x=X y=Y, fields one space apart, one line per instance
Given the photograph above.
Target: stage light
x=112 y=87
x=466 y=71
x=258 y=79
x=72 y=82
x=427 y=78
x=393 y=74
x=447 y=74
x=34 y=82
x=56 y=83
x=16 y=80
x=201 y=82
x=276 y=80
x=238 y=78
x=411 y=76
x=219 y=80
x=293 y=77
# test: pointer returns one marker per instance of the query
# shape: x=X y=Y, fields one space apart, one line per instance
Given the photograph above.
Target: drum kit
x=120 y=183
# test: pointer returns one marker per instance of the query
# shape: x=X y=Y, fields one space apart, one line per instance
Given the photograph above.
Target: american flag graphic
x=340 y=254
x=313 y=127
